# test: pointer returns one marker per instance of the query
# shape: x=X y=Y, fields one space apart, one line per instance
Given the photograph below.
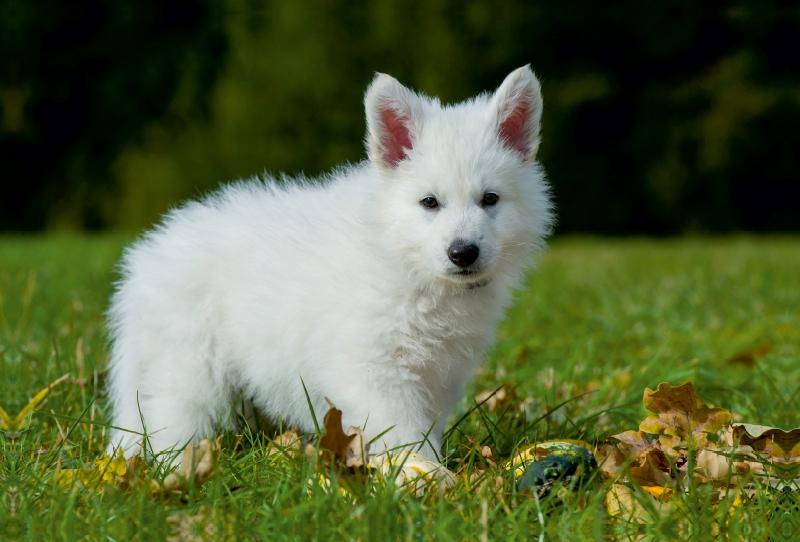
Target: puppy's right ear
x=392 y=125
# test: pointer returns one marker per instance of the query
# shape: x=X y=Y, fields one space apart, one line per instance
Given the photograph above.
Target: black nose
x=462 y=254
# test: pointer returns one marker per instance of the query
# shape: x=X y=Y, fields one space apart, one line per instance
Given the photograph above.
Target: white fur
x=344 y=281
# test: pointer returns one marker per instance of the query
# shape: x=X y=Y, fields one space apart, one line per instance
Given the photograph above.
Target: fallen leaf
x=716 y=465
x=653 y=470
x=611 y=460
x=199 y=463
x=680 y=412
x=673 y=446
x=621 y=501
x=357 y=453
x=659 y=492
x=779 y=446
x=335 y=442
x=634 y=443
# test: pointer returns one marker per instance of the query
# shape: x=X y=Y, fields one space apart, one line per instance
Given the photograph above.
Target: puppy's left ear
x=518 y=112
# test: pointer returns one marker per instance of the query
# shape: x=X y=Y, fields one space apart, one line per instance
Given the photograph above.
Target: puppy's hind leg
x=178 y=398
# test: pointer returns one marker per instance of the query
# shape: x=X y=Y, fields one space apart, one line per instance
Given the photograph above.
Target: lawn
x=599 y=321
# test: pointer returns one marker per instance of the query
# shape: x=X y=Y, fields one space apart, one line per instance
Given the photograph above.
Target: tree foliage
x=659 y=117
x=78 y=82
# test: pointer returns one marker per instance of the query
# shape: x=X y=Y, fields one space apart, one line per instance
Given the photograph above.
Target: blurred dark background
x=660 y=117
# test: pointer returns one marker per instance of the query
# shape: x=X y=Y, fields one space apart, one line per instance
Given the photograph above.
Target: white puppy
x=380 y=284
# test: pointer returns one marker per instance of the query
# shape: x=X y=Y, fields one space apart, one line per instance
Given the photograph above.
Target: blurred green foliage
x=79 y=81
x=659 y=117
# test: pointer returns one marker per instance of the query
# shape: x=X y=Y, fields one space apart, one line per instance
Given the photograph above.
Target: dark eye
x=429 y=203
x=490 y=198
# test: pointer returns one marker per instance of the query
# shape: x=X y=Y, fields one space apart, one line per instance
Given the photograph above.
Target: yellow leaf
x=134 y=474
x=622 y=501
x=659 y=492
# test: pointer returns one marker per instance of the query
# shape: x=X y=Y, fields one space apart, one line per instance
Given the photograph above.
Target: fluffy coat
x=347 y=281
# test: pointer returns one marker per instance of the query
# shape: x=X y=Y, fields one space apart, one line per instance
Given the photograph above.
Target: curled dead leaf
x=611 y=460
x=357 y=453
x=777 y=445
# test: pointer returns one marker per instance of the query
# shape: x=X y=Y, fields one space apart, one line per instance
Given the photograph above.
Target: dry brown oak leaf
x=654 y=469
x=634 y=443
x=630 y=449
x=351 y=448
x=680 y=412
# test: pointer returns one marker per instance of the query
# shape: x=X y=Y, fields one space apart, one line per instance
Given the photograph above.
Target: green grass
x=607 y=317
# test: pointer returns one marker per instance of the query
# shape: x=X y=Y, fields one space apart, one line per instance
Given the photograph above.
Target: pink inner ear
x=515 y=129
x=395 y=138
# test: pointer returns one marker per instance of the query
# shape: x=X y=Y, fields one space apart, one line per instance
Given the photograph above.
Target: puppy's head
x=461 y=194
